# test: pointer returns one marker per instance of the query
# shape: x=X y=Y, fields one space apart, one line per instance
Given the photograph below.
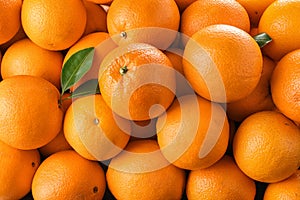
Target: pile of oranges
x=149 y=99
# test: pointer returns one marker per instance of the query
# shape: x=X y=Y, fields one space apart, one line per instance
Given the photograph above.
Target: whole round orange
x=30 y=114
x=66 y=175
x=96 y=18
x=258 y=100
x=137 y=81
x=285 y=85
x=142 y=172
x=222 y=63
x=103 y=45
x=266 y=147
x=286 y=189
x=10 y=11
x=255 y=8
x=204 y=13
x=53 y=25
x=93 y=130
x=281 y=22
x=193 y=133
x=223 y=180
x=17 y=170
x=26 y=58
x=155 y=22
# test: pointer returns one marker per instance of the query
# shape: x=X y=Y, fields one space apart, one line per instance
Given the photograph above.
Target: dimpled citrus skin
x=30 y=114
x=266 y=146
x=53 y=25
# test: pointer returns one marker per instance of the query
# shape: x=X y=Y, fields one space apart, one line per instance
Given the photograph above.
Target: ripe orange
x=66 y=175
x=137 y=81
x=155 y=22
x=203 y=13
x=281 y=22
x=223 y=180
x=26 y=58
x=286 y=189
x=96 y=18
x=175 y=56
x=17 y=170
x=260 y=99
x=30 y=114
x=93 y=130
x=141 y=172
x=285 y=85
x=103 y=44
x=10 y=11
x=266 y=147
x=18 y=36
x=194 y=133
x=255 y=9
x=222 y=63
x=53 y=25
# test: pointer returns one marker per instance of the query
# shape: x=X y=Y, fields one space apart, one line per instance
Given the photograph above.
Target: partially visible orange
x=194 y=133
x=286 y=189
x=204 y=13
x=18 y=36
x=285 y=85
x=96 y=18
x=53 y=25
x=10 y=11
x=137 y=81
x=223 y=180
x=30 y=113
x=104 y=2
x=155 y=22
x=93 y=130
x=142 y=172
x=103 y=45
x=281 y=22
x=17 y=170
x=222 y=63
x=26 y=58
x=255 y=9
x=258 y=100
x=175 y=56
x=183 y=4
x=266 y=147
x=66 y=175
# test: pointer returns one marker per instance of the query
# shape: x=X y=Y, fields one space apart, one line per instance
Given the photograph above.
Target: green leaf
x=76 y=67
x=262 y=39
x=90 y=87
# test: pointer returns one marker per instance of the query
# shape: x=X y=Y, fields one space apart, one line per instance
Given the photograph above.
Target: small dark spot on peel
x=33 y=164
x=95 y=189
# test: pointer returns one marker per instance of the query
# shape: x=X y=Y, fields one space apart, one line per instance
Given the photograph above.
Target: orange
x=96 y=18
x=59 y=143
x=281 y=22
x=203 y=13
x=255 y=9
x=260 y=99
x=155 y=22
x=285 y=85
x=286 y=189
x=222 y=63
x=18 y=36
x=137 y=81
x=30 y=111
x=175 y=56
x=53 y=25
x=66 y=175
x=10 y=11
x=194 y=133
x=143 y=129
x=266 y=147
x=141 y=172
x=103 y=44
x=26 y=58
x=93 y=130
x=17 y=170
x=183 y=4
x=223 y=180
